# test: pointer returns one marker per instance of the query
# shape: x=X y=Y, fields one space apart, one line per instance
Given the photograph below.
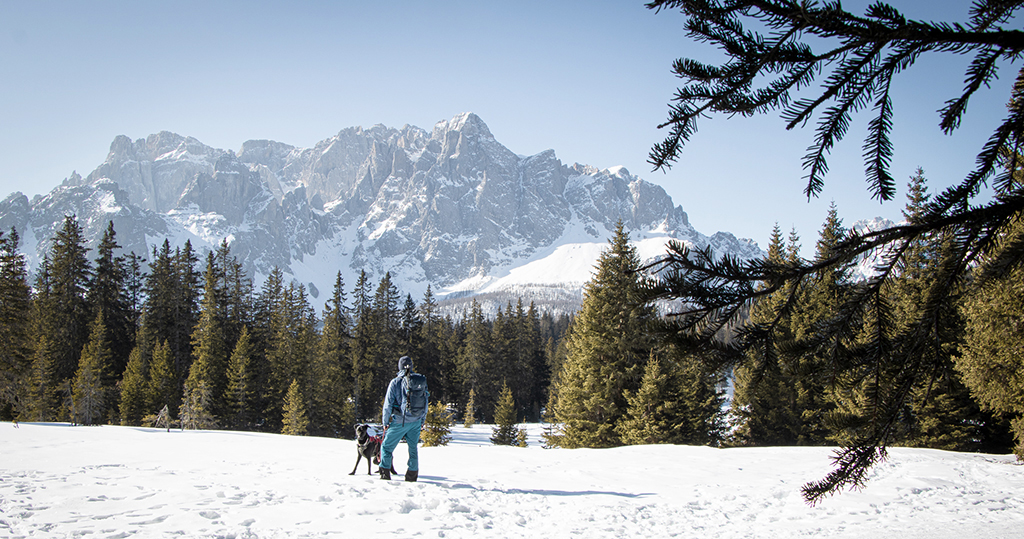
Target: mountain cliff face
x=452 y=208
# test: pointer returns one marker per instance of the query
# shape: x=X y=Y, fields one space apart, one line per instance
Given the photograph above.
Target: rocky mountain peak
x=447 y=208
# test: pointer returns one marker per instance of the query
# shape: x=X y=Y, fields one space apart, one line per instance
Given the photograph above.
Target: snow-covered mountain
x=452 y=208
x=866 y=263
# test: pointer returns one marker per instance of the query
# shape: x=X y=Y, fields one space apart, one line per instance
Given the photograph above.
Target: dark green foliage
x=878 y=356
x=210 y=349
x=164 y=389
x=195 y=411
x=477 y=365
x=608 y=347
x=63 y=311
x=241 y=397
x=430 y=351
x=330 y=373
x=41 y=393
x=135 y=395
x=505 y=431
x=109 y=294
x=90 y=396
x=992 y=360
x=171 y=309
x=216 y=356
x=15 y=328
x=469 y=417
x=675 y=404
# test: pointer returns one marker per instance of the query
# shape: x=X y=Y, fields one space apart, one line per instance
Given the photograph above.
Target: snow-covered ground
x=62 y=481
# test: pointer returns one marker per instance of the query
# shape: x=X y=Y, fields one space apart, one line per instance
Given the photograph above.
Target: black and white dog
x=368 y=446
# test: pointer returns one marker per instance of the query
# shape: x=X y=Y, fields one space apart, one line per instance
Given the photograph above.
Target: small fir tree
x=294 y=420
x=163 y=384
x=552 y=435
x=41 y=392
x=241 y=395
x=88 y=397
x=195 y=407
x=644 y=422
x=134 y=389
x=505 y=431
x=521 y=439
x=438 y=428
x=469 y=418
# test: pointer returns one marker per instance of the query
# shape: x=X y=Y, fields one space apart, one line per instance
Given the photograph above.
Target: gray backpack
x=415 y=402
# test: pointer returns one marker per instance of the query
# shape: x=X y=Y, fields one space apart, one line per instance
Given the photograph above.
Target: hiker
x=405 y=408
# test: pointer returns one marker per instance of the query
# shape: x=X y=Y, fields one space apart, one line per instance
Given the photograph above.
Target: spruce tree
x=764 y=394
x=430 y=345
x=330 y=373
x=362 y=339
x=164 y=389
x=645 y=419
x=15 y=328
x=698 y=417
x=241 y=397
x=209 y=347
x=135 y=395
x=991 y=360
x=504 y=342
x=943 y=414
x=41 y=393
x=476 y=368
x=505 y=432
x=385 y=340
x=90 y=396
x=64 y=313
x=186 y=306
x=821 y=299
x=776 y=48
x=294 y=420
x=530 y=359
x=469 y=417
x=608 y=346
x=171 y=288
x=291 y=345
x=195 y=411
x=108 y=293
x=552 y=434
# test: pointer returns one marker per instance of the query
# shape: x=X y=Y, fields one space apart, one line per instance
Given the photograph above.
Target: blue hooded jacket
x=392 y=411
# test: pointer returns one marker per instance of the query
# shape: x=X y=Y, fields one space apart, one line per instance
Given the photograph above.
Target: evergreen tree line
x=626 y=377
x=622 y=379
x=178 y=341
x=791 y=391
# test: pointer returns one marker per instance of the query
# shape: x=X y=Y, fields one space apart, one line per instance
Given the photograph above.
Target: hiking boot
x=385 y=474
x=412 y=475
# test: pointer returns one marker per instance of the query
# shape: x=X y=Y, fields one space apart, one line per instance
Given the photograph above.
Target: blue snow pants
x=411 y=432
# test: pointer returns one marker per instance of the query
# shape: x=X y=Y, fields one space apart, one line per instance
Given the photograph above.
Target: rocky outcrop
x=436 y=207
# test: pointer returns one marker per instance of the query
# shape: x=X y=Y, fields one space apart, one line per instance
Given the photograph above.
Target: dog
x=366 y=446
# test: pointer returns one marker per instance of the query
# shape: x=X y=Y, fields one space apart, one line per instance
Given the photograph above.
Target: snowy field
x=62 y=481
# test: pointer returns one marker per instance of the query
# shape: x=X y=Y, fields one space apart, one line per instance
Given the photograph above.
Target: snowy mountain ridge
x=451 y=208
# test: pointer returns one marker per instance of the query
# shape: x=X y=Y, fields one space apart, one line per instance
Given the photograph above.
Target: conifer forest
x=184 y=339
x=188 y=341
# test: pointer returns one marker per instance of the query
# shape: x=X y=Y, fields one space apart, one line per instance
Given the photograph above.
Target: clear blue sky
x=590 y=79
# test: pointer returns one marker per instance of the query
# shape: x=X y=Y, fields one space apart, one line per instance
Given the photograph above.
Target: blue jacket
x=393 y=404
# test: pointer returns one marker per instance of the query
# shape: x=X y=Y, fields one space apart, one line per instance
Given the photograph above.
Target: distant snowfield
x=62 y=481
